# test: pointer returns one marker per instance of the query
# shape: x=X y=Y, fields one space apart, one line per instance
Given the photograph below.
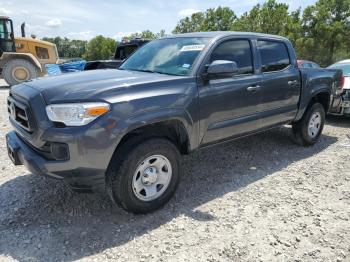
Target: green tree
x=194 y=23
x=148 y=35
x=219 y=19
x=326 y=29
x=144 y=34
x=269 y=18
x=68 y=48
x=249 y=21
x=214 y=19
x=100 y=48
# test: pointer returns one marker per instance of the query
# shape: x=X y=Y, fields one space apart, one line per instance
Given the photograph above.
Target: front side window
x=238 y=51
x=173 y=56
x=42 y=53
x=274 y=55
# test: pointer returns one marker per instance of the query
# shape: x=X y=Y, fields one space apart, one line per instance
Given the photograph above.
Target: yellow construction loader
x=23 y=58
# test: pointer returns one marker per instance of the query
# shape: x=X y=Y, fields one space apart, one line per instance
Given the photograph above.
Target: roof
x=344 y=61
x=36 y=40
x=215 y=34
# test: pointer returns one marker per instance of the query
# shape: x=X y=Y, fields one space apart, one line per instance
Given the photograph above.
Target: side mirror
x=222 y=68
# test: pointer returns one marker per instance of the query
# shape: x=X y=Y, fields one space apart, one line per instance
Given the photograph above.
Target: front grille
x=19 y=113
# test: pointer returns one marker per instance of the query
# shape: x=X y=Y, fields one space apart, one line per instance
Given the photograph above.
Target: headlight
x=76 y=114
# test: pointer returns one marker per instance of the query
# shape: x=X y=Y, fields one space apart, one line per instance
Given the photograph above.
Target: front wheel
x=308 y=130
x=19 y=70
x=143 y=177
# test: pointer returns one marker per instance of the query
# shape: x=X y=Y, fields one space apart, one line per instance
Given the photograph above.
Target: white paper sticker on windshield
x=192 y=48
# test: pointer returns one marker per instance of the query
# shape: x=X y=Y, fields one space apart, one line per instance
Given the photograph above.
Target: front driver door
x=229 y=106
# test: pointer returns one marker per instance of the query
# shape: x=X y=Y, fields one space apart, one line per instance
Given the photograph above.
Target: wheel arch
x=7 y=56
x=173 y=129
x=322 y=96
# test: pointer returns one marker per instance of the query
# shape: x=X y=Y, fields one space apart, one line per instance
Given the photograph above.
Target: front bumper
x=77 y=177
x=83 y=153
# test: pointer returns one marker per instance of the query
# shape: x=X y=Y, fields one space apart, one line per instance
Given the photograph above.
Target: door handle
x=292 y=83
x=253 y=88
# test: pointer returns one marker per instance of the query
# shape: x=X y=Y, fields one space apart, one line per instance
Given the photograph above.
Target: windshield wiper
x=163 y=73
x=150 y=71
x=141 y=70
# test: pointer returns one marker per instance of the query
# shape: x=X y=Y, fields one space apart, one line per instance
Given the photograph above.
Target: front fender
x=152 y=117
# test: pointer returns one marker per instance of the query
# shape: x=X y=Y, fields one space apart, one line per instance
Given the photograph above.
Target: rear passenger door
x=280 y=88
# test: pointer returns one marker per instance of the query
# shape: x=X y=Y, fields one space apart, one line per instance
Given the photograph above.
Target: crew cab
x=125 y=129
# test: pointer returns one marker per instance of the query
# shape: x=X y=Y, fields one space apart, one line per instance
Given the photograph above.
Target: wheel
x=142 y=177
x=18 y=70
x=308 y=130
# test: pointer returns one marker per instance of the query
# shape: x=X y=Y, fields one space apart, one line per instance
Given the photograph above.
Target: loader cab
x=7 y=41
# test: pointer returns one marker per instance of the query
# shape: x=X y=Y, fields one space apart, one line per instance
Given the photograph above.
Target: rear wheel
x=308 y=130
x=19 y=70
x=142 y=177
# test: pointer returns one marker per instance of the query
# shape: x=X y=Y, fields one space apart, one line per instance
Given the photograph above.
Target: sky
x=84 y=19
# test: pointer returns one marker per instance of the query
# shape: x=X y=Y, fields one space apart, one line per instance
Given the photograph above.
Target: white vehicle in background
x=344 y=106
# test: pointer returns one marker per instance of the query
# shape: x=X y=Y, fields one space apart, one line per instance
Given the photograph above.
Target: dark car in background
x=307 y=64
x=123 y=51
x=344 y=106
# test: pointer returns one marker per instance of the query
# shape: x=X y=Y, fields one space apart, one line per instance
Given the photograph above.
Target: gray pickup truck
x=125 y=129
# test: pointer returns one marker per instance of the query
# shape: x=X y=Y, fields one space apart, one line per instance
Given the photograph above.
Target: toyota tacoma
x=124 y=130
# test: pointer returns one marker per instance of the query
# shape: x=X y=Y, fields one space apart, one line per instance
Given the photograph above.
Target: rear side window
x=274 y=55
x=238 y=51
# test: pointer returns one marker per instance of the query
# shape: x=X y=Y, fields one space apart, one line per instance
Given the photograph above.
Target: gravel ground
x=260 y=198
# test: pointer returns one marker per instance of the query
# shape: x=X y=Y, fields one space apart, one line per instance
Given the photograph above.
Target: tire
x=308 y=130
x=133 y=168
x=19 y=70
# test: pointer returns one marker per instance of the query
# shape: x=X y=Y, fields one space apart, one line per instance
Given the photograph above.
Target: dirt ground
x=260 y=198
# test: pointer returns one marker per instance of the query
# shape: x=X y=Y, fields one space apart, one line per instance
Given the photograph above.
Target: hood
x=87 y=85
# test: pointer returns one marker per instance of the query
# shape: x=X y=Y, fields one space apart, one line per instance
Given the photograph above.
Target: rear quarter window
x=274 y=55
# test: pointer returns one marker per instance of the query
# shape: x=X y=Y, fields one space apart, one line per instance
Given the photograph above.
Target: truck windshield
x=173 y=56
